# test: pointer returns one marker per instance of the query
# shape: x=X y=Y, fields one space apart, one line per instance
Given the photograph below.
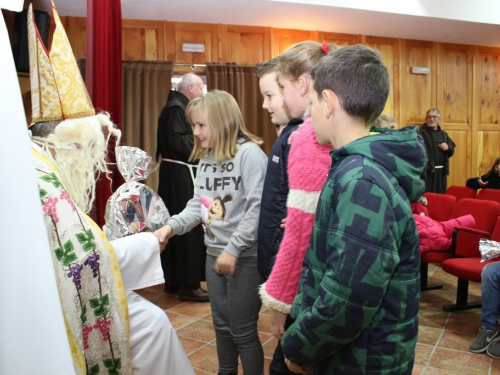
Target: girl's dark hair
x=492 y=170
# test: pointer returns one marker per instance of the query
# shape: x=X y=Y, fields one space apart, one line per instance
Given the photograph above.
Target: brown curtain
x=242 y=82
x=145 y=88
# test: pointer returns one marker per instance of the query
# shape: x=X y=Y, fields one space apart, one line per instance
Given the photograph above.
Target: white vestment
x=96 y=281
x=154 y=345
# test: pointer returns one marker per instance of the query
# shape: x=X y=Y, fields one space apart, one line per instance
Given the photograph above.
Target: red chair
x=461 y=192
x=489 y=194
x=485 y=214
x=467 y=265
x=440 y=208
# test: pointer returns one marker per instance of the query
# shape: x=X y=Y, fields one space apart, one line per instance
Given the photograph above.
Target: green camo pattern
x=357 y=307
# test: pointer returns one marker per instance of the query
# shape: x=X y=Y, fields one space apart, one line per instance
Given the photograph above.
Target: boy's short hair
x=385 y=121
x=268 y=66
x=359 y=78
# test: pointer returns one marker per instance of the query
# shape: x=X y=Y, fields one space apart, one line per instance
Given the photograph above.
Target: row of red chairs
x=460 y=192
x=464 y=258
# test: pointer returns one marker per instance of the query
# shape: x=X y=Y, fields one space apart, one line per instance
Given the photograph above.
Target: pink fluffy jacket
x=308 y=166
x=437 y=236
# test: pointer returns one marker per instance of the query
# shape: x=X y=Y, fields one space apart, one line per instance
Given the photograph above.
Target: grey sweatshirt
x=227 y=202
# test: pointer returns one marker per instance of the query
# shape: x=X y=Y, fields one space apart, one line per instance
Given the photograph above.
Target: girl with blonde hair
x=231 y=170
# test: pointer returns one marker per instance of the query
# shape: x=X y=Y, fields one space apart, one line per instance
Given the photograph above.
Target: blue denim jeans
x=490 y=295
x=235 y=304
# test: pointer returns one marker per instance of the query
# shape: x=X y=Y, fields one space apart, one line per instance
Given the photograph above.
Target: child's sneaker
x=484 y=339
x=494 y=351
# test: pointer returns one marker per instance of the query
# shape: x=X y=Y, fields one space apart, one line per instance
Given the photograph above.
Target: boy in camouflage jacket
x=357 y=307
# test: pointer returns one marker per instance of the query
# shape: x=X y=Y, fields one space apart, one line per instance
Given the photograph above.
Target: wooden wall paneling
x=338 y=38
x=76 y=30
x=189 y=32
x=486 y=108
x=244 y=44
x=403 y=90
x=143 y=40
x=488 y=148
x=282 y=39
x=389 y=48
x=455 y=83
x=458 y=172
x=420 y=92
x=489 y=85
x=454 y=100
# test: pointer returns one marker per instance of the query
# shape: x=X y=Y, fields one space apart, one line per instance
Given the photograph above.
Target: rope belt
x=190 y=166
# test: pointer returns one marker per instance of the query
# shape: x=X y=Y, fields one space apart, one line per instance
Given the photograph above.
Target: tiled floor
x=442 y=347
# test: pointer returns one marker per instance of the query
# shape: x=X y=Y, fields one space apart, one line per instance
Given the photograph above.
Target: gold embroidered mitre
x=57 y=88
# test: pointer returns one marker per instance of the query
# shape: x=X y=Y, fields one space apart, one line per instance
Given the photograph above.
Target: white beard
x=80 y=155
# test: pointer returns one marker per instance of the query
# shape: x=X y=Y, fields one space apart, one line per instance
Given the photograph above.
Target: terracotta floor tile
x=432 y=319
x=160 y=288
x=199 y=330
x=201 y=372
x=456 y=340
x=264 y=309
x=428 y=335
x=463 y=324
x=208 y=317
x=434 y=300
x=179 y=320
x=269 y=347
x=166 y=301
x=422 y=354
x=264 y=323
x=195 y=309
x=495 y=366
x=190 y=345
x=148 y=294
x=265 y=337
x=267 y=362
x=464 y=363
x=417 y=370
x=437 y=371
x=205 y=359
x=474 y=314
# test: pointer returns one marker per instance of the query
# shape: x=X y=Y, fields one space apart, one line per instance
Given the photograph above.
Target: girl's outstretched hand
x=225 y=263
x=163 y=234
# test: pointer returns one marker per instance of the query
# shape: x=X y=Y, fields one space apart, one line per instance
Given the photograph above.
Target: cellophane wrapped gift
x=134 y=207
x=489 y=249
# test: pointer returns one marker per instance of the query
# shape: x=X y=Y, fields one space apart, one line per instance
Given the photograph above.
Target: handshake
x=163 y=235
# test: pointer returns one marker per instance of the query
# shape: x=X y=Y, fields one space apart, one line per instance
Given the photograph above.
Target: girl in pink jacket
x=308 y=165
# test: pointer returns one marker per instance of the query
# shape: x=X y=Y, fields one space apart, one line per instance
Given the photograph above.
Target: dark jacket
x=493 y=182
x=429 y=146
x=357 y=307
x=273 y=205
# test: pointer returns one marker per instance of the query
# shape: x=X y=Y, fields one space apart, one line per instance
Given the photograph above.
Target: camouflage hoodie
x=357 y=307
